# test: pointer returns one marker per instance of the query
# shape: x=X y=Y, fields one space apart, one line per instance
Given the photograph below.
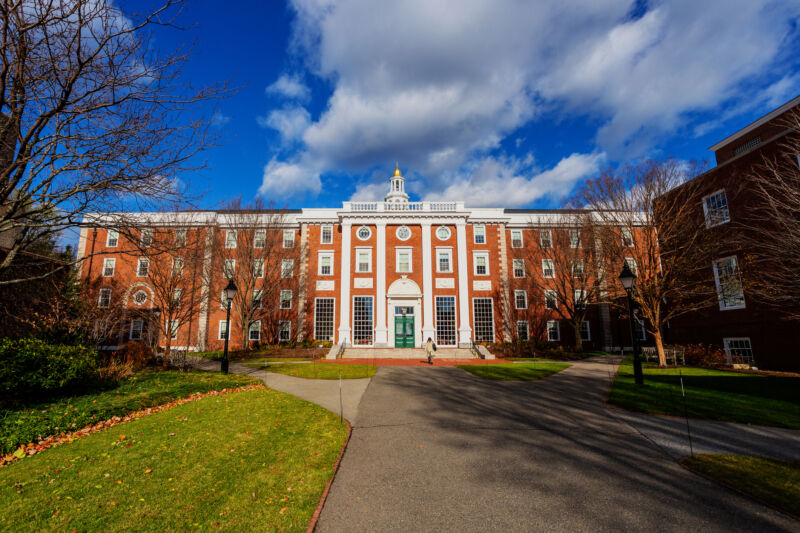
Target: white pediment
x=404 y=288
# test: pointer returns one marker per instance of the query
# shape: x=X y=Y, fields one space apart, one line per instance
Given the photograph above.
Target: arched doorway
x=404 y=302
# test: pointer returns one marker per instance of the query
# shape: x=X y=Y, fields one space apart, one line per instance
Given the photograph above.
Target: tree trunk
x=167 y=349
x=578 y=339
x=662 y=357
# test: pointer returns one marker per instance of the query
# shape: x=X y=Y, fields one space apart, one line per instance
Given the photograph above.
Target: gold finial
x=397 y=170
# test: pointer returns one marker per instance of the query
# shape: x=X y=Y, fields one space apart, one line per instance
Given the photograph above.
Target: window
x=259 y=239
x=548 y=268
x=288 y=238
x=580 y=298
x=520 y=300
x=172 y=329
x=147 y=237
x=715 y=208
x=257 y=299
x=574 y=238
x=105 y=298
x=139 y=297
x=480 y=234
x=177 y=266
x=326 y=263
x=481 y=264
x=483 y=318
x=180 y=237
x=627 y=237
x=286 y=299
x=363 y=260
x=631 y=264
x=729 y=283
x=112 y=238
x=223 y=299
x=109 y=264
x=403 y=257
x=258 y=268
x=254 y=331
x=326 y=235
x=546 y=238
x=444 y=261
x=143 y=267
x=443 y=233
x=577 y=269
x=323 y=319
x=553 y=331
x=516 y=238
x=362 y=320
x=284 y=331
x=522 y=330
x=136 y=329
x=550 y=299
x=518 y=267
x=287 y=268
x=364 y=233
x=446 y=320
x=230 y=238
x=228 y=268
x=403 y=233
x=223 y=330
x=738 y=350
x=586 y=332
x=176 y=297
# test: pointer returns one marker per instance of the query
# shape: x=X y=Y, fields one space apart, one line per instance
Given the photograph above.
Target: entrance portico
x=403 y=301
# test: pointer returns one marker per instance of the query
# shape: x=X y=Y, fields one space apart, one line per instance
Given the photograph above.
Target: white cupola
x=397 y=188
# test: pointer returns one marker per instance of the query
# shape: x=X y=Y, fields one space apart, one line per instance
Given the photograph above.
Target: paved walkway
x=437 y=449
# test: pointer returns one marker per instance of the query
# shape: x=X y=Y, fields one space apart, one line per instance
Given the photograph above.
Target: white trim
x=632 y=265
x=549 y=233
x=475 y=255
x=720 y=297
x=256 y=234
x=172 y=327
x=754 y=125
x=706 y=216
x=475 y=233
x=281 y=300
x=227 y=239
x=344 y=284
x=440 y=228
x=626 y=234
x=285 y=262
x=353 y=305
x=258 y=274
x=100 y=298
x=141 y=329
x=588 y=331
x=285 y=233
x=464 y=327
x=113 y=262
x=360 y=250
x=146 y=242
x=552 y=269
x=444 y=250
x=322 y=233
x=514 y=268
x=108 y=238
x=397 y=232
x=558 y=330
x=250 y=330
x=555 y=299
x=320 y=255
x=333 y=317
x=474 y=324
x=139 y=265
x=726 y=341
x=381 y=332
x=225 y=273
x=524 y=295
x=579 y=243
x=219 y=331
x=527 y=330
x=513 y=231
x=405 y=249
x=358 y=233
x=428 y=321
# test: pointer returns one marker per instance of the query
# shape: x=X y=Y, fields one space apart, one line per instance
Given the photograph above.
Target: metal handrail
x=340 y=351
x=474 y=349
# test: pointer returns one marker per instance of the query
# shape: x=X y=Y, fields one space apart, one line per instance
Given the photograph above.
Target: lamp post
x=628 y=280
x=230 y=292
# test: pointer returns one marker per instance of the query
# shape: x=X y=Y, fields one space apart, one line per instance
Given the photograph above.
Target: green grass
x=21 y=423
x=770 y=480
x=318 y=370
x=711 y=394
x=262 y=360
x=514 y=371
x=250 y=461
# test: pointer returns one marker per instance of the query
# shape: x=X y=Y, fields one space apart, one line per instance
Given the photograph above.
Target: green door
x=403 y=331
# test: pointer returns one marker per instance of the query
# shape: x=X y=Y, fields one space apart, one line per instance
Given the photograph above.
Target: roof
x=760 y=122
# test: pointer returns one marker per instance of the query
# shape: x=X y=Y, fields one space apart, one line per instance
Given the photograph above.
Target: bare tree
x=648 y=216
x=91 y=117
x=770 y=232
x=260 y=253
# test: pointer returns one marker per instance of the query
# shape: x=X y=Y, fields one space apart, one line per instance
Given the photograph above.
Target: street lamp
x=230 y=292
x=628 y=279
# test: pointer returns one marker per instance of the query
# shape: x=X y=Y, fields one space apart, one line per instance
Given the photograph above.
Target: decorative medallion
x=364 y=233
x=403 y=233
x=443 y=233
x=139 y=297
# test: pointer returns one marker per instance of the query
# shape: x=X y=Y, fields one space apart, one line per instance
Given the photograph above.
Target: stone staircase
x=405 y=353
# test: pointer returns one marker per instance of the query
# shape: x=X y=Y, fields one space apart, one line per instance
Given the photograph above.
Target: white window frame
x=482 y=234
x=706 y=213
x=333 y=317
x=632 y=264
x=360 y=250
x=367 y=236
x=627 y=237
x=288 y=331
x=549 y=234
x=579 y=295
x=443 y=229
x=255 y=327
x=322 y=234
x=552 y=265
x=558 y=330
x=720 y=295
x=230 y=244
x=449 y=253
x=555 y=299
x=146 y=238
x=513 y=231
x=514 y=263
x=575 y=243
x=175 y=262
x=286 y=274
x=582 y=269
x=177 y=294
x=220 y=328
x=726 y=342
x=225 y=273
x=329 y=255
x=139 y=263
x=109 y=262
x=475 y=256
x=527 y=330
x=180 y=236
x=107 y=292
x=258 y=273
x=404 y=250
x=258 y=296
x=588 y=337
x=141 y=329
x=281 y=300
x=524 y=295
x=172 y=328
x=109 y=233
x=259 y=238
x=290 y=241
x=491 y=311
x=140 y=291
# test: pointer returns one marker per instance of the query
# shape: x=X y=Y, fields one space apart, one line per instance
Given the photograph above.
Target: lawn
x=770 y=480
x=317 y=370
x=514 y=371
x=249 y=461
x=711 y=394
x=24 y=422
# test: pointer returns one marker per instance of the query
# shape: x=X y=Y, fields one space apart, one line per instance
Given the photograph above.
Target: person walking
x=430 y=349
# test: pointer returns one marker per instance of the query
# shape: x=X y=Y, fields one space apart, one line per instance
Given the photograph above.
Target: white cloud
x=286 y=179
x=290 y=122
x=289 y=87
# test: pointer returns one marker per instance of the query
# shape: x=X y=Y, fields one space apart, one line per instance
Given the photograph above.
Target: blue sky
x=495 y=102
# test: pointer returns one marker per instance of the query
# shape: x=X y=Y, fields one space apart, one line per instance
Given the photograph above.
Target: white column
x=427 y=284
x=344 y=289
x=381 y=333
x=464 y=329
